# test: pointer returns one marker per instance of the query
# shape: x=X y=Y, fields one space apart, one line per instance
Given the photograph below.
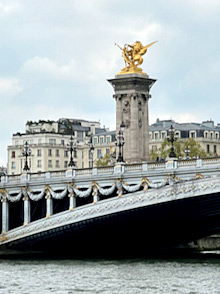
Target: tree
x=165 y=148
x=194 y=147
x=179 y=148
x=103 y=161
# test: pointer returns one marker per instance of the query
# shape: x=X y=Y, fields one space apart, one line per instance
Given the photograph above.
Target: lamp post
x=120 y=142
x=70 y=148
x=172 y=138
x=26 y=152
x=187 y=151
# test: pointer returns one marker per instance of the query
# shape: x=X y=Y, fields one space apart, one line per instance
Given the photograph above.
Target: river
x=200 y=274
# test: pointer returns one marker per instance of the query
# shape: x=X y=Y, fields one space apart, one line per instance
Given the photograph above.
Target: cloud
x=10 y=86
x=47 y=68
x=8 y=6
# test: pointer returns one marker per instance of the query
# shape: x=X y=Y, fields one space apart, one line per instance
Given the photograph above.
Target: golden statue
x=132 y=57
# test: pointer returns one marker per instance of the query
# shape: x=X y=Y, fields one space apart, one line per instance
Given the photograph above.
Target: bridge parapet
x=181 y=166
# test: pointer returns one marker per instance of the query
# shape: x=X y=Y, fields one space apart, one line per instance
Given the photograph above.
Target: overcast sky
x=55 y=57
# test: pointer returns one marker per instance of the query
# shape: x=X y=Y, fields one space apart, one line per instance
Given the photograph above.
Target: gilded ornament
x=3 y=237
x=132 y=55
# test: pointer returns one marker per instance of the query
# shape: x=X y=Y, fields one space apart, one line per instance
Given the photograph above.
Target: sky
x=56 y=57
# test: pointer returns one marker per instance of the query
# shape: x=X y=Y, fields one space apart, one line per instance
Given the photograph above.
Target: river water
x=200 y=274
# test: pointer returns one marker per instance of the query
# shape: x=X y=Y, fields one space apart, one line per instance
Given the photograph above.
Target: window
x=207 y=148
x=216 y=135
x=211 y=134
x=49 y=163
x=99 y=153
x=39 y=141
x=57 y=163
x=206 y=135
x=52 y=141
x=39 y=163
x=107 y=151
x=193 y=135
x=156 y=136
x=95 y=141
x=65 y=153
x=75 y=153
x=38 y=152
x=49 y=152
x=154 y=147
x=101 y=140
x=163 y=135
x=13 y=154
x=215 y=149
x=65 y=164
x=108 y=140
x=57 y=152
x=13 y=165
x=62 y=142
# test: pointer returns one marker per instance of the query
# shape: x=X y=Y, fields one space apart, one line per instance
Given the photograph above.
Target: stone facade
x=48 y=143
x=207 y=134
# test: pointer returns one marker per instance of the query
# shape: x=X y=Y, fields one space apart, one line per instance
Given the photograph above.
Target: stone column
x=72 y=201
x=146 y=136
x=5 y=215
x=95 y=194
x=27 y=211
x=49 y=204
x=118 y=99
x=132 y=95
x=134 y=134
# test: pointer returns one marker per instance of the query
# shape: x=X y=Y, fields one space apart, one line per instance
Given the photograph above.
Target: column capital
x=117 y=96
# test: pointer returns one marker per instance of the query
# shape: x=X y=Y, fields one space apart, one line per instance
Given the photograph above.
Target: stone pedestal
x=132 y=95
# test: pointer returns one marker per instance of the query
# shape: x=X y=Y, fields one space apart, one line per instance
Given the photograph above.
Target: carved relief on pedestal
x=126 y=111
x=140 y=113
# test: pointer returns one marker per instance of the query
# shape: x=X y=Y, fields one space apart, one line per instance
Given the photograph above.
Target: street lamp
x=71 y=149
x=120 y=142
x=187 y=151
x=26 y=152
x=172 y=138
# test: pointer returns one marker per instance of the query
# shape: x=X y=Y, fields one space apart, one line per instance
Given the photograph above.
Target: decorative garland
x=36 y=197
x=119 y=184
x=58 y=195
x=14 y=198
x=82 y=194
x=107 y=191
x=132 y=188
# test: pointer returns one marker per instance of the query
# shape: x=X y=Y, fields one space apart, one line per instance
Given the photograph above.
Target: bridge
x=126 y=208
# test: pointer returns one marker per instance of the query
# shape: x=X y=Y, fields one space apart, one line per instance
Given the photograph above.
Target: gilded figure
x=132 y=55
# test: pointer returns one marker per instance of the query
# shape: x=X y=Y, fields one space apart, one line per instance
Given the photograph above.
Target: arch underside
x=135 y=232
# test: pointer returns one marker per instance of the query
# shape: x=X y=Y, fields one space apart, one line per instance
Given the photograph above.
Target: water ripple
x=193 y=276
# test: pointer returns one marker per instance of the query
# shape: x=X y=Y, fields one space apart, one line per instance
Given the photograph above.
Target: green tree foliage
x=179 y=148
x=194 y=147
x=103 y=161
